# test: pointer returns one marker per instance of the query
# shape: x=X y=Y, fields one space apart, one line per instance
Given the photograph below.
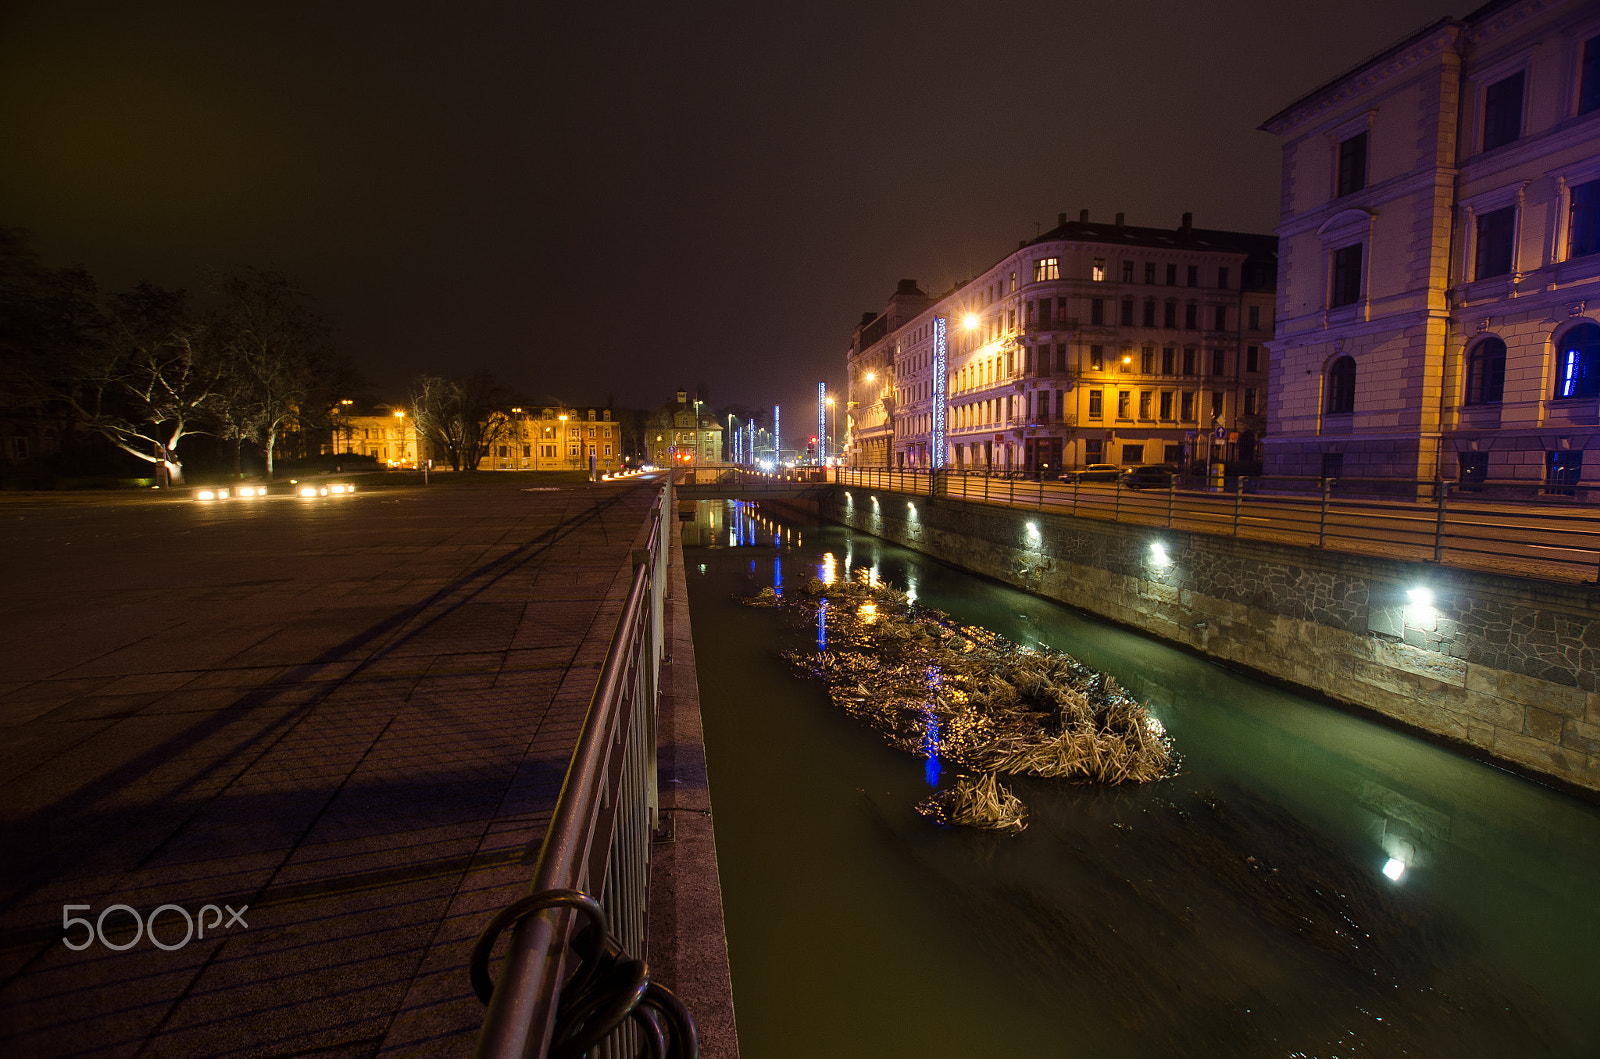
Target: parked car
x=1094 y=472
x=1153 y=476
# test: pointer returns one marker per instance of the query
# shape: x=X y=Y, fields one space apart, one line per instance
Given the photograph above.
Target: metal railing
x=1547 y=530
x=565 y=991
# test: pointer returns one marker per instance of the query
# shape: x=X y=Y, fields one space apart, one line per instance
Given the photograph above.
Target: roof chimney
x=683 y=396
x=1119 y=219
x=1083 y=216
x=1061 y=220
x=1188 y=222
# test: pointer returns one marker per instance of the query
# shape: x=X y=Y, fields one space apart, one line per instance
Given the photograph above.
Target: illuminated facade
x=1441 y=256
x=1093 y=343
x=387 y=433
x=683 y=433
x=555 y=439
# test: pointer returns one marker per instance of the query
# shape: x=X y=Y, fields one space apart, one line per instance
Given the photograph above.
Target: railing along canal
x=568 y=985
x=1507 y=526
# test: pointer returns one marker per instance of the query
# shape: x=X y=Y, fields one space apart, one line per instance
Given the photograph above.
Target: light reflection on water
x=1241 y=908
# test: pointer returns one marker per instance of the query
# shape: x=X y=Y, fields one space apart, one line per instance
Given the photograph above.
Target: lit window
x=1578 y=362
x=1047 y=268
x=1099 y=272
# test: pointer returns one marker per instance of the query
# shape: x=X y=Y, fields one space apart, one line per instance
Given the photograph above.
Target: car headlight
x=307 y=490
x=205 y=494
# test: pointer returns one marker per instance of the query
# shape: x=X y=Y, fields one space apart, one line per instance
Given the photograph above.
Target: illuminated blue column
x=822 y=422
x=751 y=445
x=939 y=395
x=777 y=444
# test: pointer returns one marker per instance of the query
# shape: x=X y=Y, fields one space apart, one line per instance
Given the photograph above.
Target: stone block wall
x=1508 y=667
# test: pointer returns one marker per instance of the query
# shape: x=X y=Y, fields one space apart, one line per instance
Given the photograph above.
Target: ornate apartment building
x=524 y=439
x=1440 y=242
x=678 y=433
x=1093 y=343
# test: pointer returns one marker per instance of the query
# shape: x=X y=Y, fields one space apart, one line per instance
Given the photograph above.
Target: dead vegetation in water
x=979 y=801
x=966 y=695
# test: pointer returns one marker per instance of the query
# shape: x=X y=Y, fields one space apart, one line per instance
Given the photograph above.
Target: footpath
x=277 y=761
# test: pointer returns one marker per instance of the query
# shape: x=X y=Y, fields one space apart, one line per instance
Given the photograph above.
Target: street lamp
x=834 y=423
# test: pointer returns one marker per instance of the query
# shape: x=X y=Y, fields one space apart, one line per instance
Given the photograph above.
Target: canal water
x=1244 y=907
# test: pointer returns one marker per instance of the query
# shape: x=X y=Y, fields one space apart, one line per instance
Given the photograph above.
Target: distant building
x=679 y=433
x=387 y=433
x=1093 y=343
x=1440 y=243
x=555 y=438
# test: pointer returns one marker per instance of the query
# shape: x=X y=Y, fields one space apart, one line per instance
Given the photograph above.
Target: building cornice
x=1400 y=59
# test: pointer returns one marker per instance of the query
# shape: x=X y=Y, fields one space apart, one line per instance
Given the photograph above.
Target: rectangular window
x=1169 y=319
x=1172 y=275
x=1194 y=275
x=1166 y=404
x=1127 y=312
x=527 y=451
x=1191 y=316
x=608 y=450
x=1255 y=317
x=1144 y=404
x=1173 y=454
x=1167 y=367
x=1099 y=271
x=1352 y=165
x=1589 y=77
x=1097 y=358
x=1492 y=248
x=1584 y=219
x=1150 y=272
x=1125 y=362
x=1147 y=360
x=1216 y=405
x=1249 y=402
x=1097 y=311
x=1133 y=454
x=1061 y=357
x=1124 y=403
x=1127 y=272
x=1346 y=276
x=1096 y=403
x=1502 y=111
x=547 y=452
x=1149 y=312
x=1188 y=362
x=1222 y=278
x=1094 y=451
x=1252 y=356
x=1046 y=268
x=1187 y=414
x=502 y=452
x=1474 y=468
x=1221 y=323
x=1219 y=362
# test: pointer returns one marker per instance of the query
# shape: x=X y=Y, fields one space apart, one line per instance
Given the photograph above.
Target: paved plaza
x=347 y=717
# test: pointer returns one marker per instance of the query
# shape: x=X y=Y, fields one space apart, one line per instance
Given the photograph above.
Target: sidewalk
x=351 y=715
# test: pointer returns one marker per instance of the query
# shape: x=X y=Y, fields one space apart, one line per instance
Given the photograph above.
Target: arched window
x=1578 y=362
x=1341 y=386
x=1486 y=372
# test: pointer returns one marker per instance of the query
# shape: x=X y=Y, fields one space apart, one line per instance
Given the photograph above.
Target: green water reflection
x=1238 y=909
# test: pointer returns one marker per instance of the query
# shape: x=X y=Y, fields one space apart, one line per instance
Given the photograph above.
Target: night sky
x=611 y=201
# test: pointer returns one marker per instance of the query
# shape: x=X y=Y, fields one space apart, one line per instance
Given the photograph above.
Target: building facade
x=678 y=433
x=1439 y=298
x=1093 y=343
x=554 y=438
x=387 y=433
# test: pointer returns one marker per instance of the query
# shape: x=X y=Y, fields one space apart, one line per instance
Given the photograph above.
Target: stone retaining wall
x=1508 y=667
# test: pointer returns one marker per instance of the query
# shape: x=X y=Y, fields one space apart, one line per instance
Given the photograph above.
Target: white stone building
x=1440 y=256
x=1093 y=343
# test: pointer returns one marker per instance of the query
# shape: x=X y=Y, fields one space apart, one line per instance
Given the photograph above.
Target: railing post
x=1238 y=502
x=1172 y=497
x=1075 y=494
x=1116 y=504
x=1011 y=491
x=1442 y=488
x=1322 y=522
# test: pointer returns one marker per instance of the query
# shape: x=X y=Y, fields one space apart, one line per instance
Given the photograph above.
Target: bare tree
x=275 y=350
x=149 y=381
x=461 y=419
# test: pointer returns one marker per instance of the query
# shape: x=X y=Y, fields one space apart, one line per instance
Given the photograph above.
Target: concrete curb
x=688 y=946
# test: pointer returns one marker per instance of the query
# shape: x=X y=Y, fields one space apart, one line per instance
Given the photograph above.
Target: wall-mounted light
x=1420 y=612
x=1158 y=554
x=1033 y=532
x=1394 y=868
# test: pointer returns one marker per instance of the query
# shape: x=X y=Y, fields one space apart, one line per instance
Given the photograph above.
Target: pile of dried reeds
x=977 y=802
x=970 y=696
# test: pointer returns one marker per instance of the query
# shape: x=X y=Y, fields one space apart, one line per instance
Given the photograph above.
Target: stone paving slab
x=352 y=716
